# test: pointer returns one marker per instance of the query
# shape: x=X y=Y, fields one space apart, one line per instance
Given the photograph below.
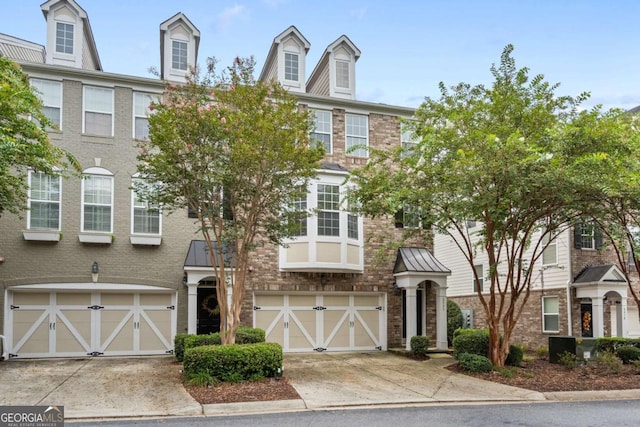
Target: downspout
x=3 y=347
x=570 y=270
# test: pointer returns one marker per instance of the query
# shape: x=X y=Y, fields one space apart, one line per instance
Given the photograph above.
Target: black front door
x=208 y=311
x=418 y=312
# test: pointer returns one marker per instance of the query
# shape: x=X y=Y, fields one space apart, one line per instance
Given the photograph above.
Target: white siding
x=460 y=283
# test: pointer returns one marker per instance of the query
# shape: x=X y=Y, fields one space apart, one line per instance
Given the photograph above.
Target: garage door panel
x=31 y=298
x=335 y=301
x=73 y=331
x=155 y=330
x=82 y=300
x=306 y=301
x=302 y=329
x=155 y=299
x=272 y=323
x=366 y=329
x=116 y=299
x=116 y=331
x=31 y=331
x=338 y=337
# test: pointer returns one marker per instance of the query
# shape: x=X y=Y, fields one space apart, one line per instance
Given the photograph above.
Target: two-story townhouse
x=92 y=270
x=576 y=289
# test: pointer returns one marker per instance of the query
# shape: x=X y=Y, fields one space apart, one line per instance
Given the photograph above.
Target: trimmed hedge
x=474 y=363
x=628 y=353
x=514 y=358
x=472 y=341
x=178 y=346
x=234 y=362
x=244 y=335
x=612 y=343
x=419 y=346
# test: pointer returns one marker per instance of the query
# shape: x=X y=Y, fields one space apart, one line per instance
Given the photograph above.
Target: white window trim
x=186 y=43
x=59 y=128
x=84 y=110
x=592 y=246
x=73 y=39
x=297 y=55
x=29 y=205
x=330 y=133
x=152 y=98
x=133 y=207
x=544 y=329
x=553 y=243
x=346 y=136
x=95 y=171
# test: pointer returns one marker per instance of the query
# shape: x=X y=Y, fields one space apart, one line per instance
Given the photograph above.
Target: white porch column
x=598 y=317
x=621 y=318
x=441 y=318
x=411 y=315
x=192 y=308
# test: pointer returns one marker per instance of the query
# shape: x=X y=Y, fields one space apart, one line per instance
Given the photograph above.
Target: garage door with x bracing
x=322 y=322
x=71 y=324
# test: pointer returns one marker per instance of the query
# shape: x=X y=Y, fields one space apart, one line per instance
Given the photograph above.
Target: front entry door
x=208 y=311
x=419 y=312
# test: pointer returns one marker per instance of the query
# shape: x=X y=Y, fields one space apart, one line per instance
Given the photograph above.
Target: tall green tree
x=510 y=156
x=237 y=152
x=24 y=142
x=613 y=196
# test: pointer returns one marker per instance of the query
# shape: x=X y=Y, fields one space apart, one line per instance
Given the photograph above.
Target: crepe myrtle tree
x=613 y=195
x=236 y=151
x=24 y=141
x=508 y=156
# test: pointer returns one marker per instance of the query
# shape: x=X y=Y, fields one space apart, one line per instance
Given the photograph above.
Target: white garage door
x=322 y=322
x=71 y=324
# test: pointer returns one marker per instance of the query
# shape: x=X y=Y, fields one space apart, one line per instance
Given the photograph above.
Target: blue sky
x=408 y=47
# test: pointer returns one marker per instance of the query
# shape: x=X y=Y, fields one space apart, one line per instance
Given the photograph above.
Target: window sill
x=41 y=235
x=146 y=240
x=100 y=239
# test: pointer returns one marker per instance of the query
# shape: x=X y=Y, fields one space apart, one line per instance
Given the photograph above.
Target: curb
x=253 y=407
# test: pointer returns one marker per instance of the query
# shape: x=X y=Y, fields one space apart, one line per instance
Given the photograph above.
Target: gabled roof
x=198 y=255
x=88 y=33
x=21 y=50
x=418 y=260
x=343 y=40
x=273 y=51
x=164 y=27
x=599 y=273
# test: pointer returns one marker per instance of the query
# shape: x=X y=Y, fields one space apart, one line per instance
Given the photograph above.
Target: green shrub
x=192 y=341
x=473 y=341
x=454 y=320
x=568 y=360
x=542 y=352
x=419 y=346
x=609 y=362
x=514 y=358
x=474 y=363
x=611 y=344
x=628 y=353
x=247 y=335
x=234 y=362
x=178 y=346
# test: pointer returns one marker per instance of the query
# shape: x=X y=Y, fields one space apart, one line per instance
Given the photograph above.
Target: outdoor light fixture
x=94 y=271
x=323 y=279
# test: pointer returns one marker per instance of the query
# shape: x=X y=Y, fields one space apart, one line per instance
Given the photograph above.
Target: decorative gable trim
x=180 y=29
x=335 y=74
x=289 y=42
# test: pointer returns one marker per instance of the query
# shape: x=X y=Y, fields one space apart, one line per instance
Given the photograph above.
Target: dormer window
x=342 y=74
x=179 y=55
x=64 y=38
x=291 y=66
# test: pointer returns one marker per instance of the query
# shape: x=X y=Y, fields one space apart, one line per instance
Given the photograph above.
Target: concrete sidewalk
x=99 y=388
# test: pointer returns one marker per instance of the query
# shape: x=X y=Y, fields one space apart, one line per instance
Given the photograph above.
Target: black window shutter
x=577 y=235
x=598 y=237
x=399 y=218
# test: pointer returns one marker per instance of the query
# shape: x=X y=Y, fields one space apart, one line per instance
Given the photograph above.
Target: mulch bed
x=254 y=391
x=540 y=375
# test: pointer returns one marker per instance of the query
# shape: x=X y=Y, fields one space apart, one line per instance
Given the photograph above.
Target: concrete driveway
x=98 y=387
x=343 y=379
x=151 y=386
